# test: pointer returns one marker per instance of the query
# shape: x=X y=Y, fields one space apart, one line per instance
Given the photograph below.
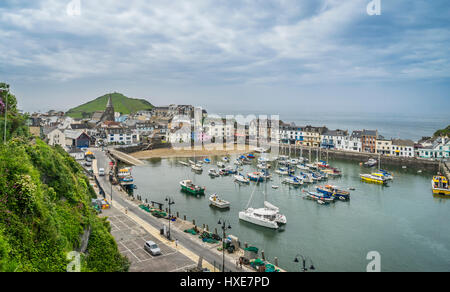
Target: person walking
x=176 y=243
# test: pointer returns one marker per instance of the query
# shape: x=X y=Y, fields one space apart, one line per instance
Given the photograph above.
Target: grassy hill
x=122 y=104
x=443 y=132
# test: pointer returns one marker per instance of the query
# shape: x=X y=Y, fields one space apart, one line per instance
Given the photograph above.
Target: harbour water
x=402 y=221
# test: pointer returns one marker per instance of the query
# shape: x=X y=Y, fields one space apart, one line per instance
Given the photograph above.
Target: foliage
x=15 y=126
x=443 y=132
x=44 y=210
x=122 y=104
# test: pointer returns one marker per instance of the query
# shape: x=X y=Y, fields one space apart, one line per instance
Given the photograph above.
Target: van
x=101 y=172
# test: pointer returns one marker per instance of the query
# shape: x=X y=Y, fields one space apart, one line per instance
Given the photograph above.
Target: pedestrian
x=237 y=263
x=240 y=262
x=176 y=242
x=126 y=210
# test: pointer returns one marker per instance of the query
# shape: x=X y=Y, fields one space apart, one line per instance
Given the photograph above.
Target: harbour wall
x=414 y=163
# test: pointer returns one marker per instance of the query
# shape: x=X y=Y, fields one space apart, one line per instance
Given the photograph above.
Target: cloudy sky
x=230 y=55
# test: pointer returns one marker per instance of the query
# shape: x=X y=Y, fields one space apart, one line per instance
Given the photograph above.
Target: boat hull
x=269 y=224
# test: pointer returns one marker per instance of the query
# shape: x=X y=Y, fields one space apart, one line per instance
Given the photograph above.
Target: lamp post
x=224 y=227
x=170 y=201
x=6 y=111
x=304 y=259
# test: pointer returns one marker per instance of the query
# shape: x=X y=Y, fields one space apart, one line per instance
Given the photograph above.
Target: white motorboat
x=302 y=167
x=183 y=163
x=197 y=167
x=213 y=173
x=220 y=164
x=191 y=162
x=293 y=181
x=279 y=218
x=262 y=217
x=262 y=166
x=226 y=159
x=242 y=179
x=275 y=187
x=217 y=202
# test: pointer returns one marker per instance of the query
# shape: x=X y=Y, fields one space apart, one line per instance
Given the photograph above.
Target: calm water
x=403 y=222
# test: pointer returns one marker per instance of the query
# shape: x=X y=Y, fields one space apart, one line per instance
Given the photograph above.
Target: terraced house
x=439 y=149
x=312 y=136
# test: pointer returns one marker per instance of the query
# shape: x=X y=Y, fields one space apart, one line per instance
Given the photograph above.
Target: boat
x=373 y=178
x=439 y=185
x=238 y=162
x=250 y=156
x=311 y=166
x=386 y=174
x=191 y=162
x=183 y=163
x=371 y=162
x=334 y=191
x=255 y=176
x=230 y=170
x=306 y=177
x=197 y=167
x=322 y=164
x=318 y=196
x=189 y=187
x=275 y=187
x=292 y=180
x=282 y=171
x=263 y=166
x=226 y=159
x=269 y=216
x=241 y=179
x=124 y=175
x=260 y=150
x=303 y=167
x=220 y=164
x=207 y=160
x=215 y=201
x=213 y=173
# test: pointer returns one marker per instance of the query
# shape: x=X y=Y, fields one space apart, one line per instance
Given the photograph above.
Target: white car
x=152 y=248
x=101 y=172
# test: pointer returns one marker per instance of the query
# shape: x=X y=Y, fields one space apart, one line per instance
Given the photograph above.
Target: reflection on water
x=404 y=222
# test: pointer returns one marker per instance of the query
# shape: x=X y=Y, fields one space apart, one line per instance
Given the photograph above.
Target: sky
x=229 y=55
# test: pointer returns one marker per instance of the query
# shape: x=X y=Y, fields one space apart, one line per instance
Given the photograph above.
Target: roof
x=370 y=133
x=401 y=142
x=73 y=134
x=356 y=134
x=335 y=133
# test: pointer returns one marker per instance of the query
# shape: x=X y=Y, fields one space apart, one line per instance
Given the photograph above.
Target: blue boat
x=207 y=160
x=329 y=190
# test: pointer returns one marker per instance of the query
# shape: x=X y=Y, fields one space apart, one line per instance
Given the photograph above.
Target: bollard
x=263 y=255
x=146 y=201
x=193 y=222
x=207 y=227
x=184 y=217
x=178 y=215
x=276 y=261
x=215 y=231
x=246 y=245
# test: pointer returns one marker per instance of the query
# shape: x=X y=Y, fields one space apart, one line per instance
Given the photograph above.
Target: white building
x=402 y=148
x=219 y=128
x=56 y=137
x=384 y=146
x=77 y=153
x=440 y=149
x=336 y=139
x=353 y=142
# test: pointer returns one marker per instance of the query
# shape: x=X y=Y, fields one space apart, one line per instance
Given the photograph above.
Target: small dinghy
x=275 y=187
x=215 y=201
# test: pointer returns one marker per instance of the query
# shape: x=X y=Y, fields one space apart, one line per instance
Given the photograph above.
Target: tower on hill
x=108 y=115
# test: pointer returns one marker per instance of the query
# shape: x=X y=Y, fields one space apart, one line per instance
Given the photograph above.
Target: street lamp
x=170 y=201
x=6 y=111
x=304 y=259
x=224 y=228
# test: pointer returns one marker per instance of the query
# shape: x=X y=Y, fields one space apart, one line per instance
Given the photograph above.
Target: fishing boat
x=373 y=178
x=292 y=180
x=318 y=196
x=371 y=162
x=197 y=167
x=124 y=175
x=183 y=163
x=189 y=187
x=439 y=185
x=213 y=173
x=215 y=201
x=241 y=179
x=334 y=191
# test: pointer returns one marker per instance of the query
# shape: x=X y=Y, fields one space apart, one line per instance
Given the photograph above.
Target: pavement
x=135 y=225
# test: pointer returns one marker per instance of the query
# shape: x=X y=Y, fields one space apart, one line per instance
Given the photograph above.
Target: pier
x=324 y=154
x=128 y=159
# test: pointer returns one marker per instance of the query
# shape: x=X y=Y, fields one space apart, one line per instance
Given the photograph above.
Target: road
x=188 y=243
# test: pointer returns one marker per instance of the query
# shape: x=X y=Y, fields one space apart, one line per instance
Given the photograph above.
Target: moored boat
x=439 y=185
x=189 y=187
x=373 y=178
x=330 y=190
x=214 y=200
x=213 y=173
x=241 y=179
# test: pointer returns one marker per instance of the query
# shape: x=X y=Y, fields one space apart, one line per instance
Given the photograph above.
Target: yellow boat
x=377 y=178
x=440 y=186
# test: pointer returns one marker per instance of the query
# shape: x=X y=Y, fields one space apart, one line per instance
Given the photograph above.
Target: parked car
x=88 y=163
x=101 y=172
x=88 y=159
x=152 y=248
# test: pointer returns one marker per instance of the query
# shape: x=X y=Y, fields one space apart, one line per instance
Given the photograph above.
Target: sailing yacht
x=268 y=216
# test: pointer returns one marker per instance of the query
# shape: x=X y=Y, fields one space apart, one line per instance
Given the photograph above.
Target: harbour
x=392 y=219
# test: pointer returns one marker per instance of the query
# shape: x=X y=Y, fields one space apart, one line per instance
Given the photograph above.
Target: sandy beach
x=174 y=152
